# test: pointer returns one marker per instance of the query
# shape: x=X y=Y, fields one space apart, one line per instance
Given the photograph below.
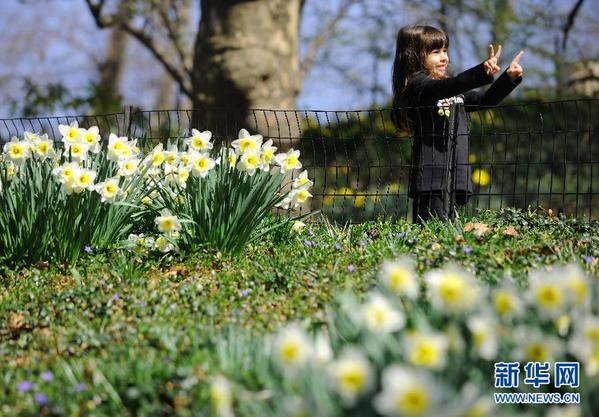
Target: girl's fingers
x=498 y=54
x=517 y=58
x=490 y=53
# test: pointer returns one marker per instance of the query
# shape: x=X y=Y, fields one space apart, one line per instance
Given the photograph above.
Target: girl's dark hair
x=413 y=44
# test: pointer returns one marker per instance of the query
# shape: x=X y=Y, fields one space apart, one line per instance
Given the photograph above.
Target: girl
x=431 y=105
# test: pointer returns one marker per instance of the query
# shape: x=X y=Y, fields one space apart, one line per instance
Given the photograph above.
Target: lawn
x=125 y=333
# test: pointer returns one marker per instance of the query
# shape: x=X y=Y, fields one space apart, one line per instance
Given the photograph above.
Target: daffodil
x=380 y=316
x=43 y=147
x=352 y=374
x=167 y=223
x=546 y=293
x=246 y=142
x=128 y=167
x=118 y=148
x=323 y=353
x=66 y=172
x=267 y=154
x=302 y=181
x=535 y=346
x=77 y=151
x=506 y=301
x=70 y=133
x=400 y=277
x=288 y=161
x=91 y=138
x=155 y=158
x=163 y=244
x=83 y=179
x=426 y=349
x=452 y=289
x=249 y=162
x=484 y=336
x=299 y=196
x=17 y=151
x=221 y=397
x=292 y=348
x=408 y=393
x=577 y=285
x=201 y=164
x=584 y=344
x=298 y=226
x=199 y=141
x=481 y=177
x=109 y=189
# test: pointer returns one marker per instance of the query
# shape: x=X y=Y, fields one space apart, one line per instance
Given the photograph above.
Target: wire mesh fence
x=520 y=155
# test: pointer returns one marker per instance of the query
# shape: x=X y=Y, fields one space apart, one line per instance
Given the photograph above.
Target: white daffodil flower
x=452 y=289
x=167 y=223
x=221 y=397
x=267 y=155
x=547 y=293
x=299 y=196
x=91 y=138
x=249 y=162
x=109 y=189
x=163 y=245
x=201 y=164
x=17 y=151
x=288 y=161
x=70 y=133
x=199 y=141
x=128 y=167
x=535 y=346
x=302 y=181
x=379 y=316
x=292 y=348
x=400 y=277
x=77 y=152
x=426 y=349
x=247 y=142
x=83 y=179
x=506 y=301
x=351 y=374
x=485 y=336
x=408 y=392
x=42 y=147
x=119 y=148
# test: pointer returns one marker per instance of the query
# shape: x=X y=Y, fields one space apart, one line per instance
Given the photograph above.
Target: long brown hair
x=413 y=44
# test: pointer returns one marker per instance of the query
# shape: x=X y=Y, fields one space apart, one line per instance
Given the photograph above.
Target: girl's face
x=435 y=63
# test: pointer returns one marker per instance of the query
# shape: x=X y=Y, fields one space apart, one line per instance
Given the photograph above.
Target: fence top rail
x=135 y=110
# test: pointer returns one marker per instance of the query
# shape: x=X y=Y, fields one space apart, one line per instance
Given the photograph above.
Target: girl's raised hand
x=490 y=64
x=515 y=70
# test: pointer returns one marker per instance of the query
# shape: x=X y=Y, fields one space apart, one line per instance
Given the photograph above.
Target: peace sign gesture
x=491 y=67
x=515 y=70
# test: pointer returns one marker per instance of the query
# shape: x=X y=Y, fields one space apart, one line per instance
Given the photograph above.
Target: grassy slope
x=151 y=323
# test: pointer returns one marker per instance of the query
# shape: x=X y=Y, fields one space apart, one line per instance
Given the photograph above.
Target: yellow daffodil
x=400 y=277
x=452 y=289
x=352 y=374
x=292 y=348
x=167 y=223
x=426 y=349
x=288 y=161
x=246 y=142
x=199 y=141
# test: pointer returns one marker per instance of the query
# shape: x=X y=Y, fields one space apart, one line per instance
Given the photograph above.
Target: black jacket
x=435 y=126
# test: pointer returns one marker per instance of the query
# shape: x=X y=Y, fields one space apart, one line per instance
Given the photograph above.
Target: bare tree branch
x=173 y=35
x=570 y=22
x=326 y=32
x=102 y=21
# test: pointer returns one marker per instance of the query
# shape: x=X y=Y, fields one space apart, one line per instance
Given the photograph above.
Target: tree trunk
x=246 y=57
x=108 y=96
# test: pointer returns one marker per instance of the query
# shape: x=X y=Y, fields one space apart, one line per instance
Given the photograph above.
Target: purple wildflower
x=337 y=247
x=116 y=296
x=80 y=387
x=362 y=242
x=400 y=235
x=467 y=249
x=47 y=376
x=307 y=243
x=88 y=249
x=588 y=259
x=40 y=399
x=244 y=292
x=350 y=268
x=311 y=232
x=24 y=386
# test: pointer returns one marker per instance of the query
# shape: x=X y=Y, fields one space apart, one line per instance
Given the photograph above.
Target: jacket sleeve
x=425 y=90
x=496 y=92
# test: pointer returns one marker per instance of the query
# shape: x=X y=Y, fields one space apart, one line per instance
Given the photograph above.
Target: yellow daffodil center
x=536 y=352
x=397 y=278
x=451 y=288
x=549 y=296
x=503 y=303
x=289 y=351
x=413 y=402
x=202 y=164
x=352 y=378
x=290 y=162
x=83 y=180
x=424 y=354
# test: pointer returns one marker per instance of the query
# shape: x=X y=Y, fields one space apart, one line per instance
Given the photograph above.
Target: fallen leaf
x=16 y=322
x=510 y=231
x=459 y=239
x=478 y=228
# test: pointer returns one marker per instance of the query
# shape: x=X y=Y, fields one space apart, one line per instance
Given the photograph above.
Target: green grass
x=144 y=334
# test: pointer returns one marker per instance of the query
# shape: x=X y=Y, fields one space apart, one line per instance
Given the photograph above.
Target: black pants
x=430 y=204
